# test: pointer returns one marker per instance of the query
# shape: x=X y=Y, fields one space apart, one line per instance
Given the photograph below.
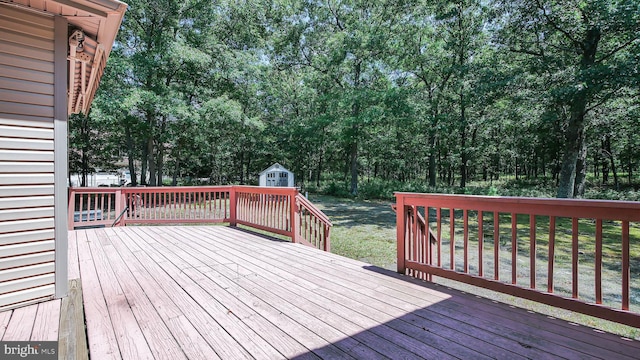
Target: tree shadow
x=461 y=325
x=362 y=213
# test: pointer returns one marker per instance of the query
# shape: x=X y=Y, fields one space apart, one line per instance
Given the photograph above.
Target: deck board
x=5 y=316
x=358 y=293
x=214 y=292
x=131 y=341
x=47 y=315
x=158 y=336
x=383 y=338
x=20 y=324
x=517 y=331
x=214 y=334
x=100 y=333
x=255 y=345
x=185 y=334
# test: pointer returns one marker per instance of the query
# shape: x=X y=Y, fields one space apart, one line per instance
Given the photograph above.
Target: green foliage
x=373 y=97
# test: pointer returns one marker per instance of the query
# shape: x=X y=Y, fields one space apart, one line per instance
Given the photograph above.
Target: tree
x=579 y=45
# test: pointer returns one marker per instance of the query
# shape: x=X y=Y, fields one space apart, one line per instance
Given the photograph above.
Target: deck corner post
x=233 y=207
x=295 y=217
x=120 y=203
x=327 y=239
x=401 y=231
x=71 y=207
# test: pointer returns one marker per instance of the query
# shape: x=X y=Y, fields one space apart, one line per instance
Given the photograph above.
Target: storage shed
x=52 y=56
x=276 y=175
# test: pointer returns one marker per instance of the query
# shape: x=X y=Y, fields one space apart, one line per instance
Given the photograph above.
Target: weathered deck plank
x=100 y=333
x=518 y=321
x=20 y=325
x=203 y=292
x=381 y=338
x=47 y=316
x=131 y=341
x=462 y=308
x=191 y=342
x=5 y=316
x=380 y=311
x=74 y=265
x=214 y=334
x=158 y=336
x=255 y=345
x=72 y=335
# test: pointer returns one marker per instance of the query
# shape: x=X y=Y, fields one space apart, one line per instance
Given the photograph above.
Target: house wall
x=32 y=133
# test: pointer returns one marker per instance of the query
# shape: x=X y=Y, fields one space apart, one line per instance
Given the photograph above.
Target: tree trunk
x=174 y=180
x=130 y=152
x=353 y=162
x=574 y=136
x=160 y=165
x=151 y=163
x=616 y=183
x=463 y=141
x=318 y=174
x=581 y=169
x=606 y=149
x=144 y=165
x=353 y=147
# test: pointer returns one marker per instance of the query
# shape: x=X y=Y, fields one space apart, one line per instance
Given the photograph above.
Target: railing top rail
x=313 y=209
x=603 y=209
x=266 y=190
x=175 y=189
x=93 y=190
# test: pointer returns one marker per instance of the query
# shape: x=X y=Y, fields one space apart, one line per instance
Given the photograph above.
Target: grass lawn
x=366 y=231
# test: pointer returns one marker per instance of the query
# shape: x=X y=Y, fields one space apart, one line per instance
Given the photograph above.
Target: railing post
x=120 y=201
x=401 y=231
x=295 y=217
x=327 y=238
x=72 y=207
x=232 y=206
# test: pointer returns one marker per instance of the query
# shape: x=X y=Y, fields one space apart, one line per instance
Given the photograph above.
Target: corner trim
x=60 y=156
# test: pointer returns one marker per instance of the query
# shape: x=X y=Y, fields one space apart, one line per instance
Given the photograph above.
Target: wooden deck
x=208 y=292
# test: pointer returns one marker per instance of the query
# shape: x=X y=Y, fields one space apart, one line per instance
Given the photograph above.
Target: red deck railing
x=268 y=209
x=313 y=225
x=572 y=254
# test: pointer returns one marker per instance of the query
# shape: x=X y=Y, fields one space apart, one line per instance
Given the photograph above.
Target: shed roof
x=275 y=166
x=98 y=22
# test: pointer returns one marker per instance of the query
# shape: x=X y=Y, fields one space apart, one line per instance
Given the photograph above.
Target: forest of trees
x=443 y=92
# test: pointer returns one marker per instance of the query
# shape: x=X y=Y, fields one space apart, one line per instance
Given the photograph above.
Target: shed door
x=26 y=157
x=283 y=179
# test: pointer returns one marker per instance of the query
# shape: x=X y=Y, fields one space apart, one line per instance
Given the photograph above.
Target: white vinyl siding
x=27 y=235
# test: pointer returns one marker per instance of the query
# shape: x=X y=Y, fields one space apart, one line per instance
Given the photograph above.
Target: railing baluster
x=532 y=251
x=96 y=207
x=465 y=215
x=81 y=207
x=429 y=244
x=496 y=245
x=574 y=257
x=109 y=204
x=514 y=248
x=480 y=243
x=414 y=239
x=552 y=252
x=452 y=238
x=598 y=268
x=625 y=265
x=439 y=239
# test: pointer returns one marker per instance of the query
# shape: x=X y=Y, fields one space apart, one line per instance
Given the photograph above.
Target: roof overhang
x=96 y=24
